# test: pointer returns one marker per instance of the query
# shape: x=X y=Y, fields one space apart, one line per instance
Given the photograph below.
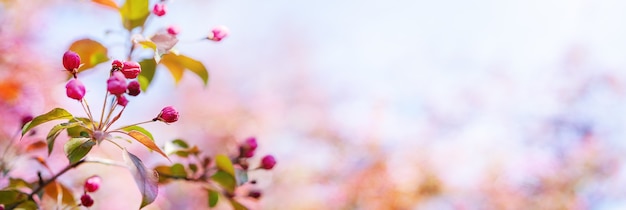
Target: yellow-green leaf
x=55 y=131
x=178 y=63
x=140 y=129
x=12 y=196
x=224 y=163
x=55 y=114
x=134 y=13
x=148 y=68
x=225 y=180
x=91 y=53
x=146 y=141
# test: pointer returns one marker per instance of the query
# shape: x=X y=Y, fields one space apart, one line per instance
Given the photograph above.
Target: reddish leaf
x=146 y=141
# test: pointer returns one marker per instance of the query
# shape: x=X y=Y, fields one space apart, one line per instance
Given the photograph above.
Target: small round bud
x=121 y=100
x=75 y=89
x=86 y=200
x=117 y=65
x=26 y=119
x=131 y=69
x=248 y=147
x=134 y=88
x=218 y=33
x=254 y=194
x=159 y=9
x=251 y=143
x=168 y=115
x=71 y=61
x=92 y=183
x=268 y=162
x=116 y=84
x=173 y=30
x=247 y=153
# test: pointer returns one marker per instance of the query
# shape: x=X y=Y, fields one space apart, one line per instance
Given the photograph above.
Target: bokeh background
x=365 y=104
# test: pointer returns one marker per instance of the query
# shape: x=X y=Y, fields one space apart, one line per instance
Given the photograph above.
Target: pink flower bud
x=168 y=115
x=248 y=147
x=92 y=183
x=117 y=65
x=173 y=30
x=75 y=89
x=251 y=143
x=131 y=69
x=256 y=194
x=121 y=100
x=134 y=88
x=71 y=61
x=116 y=84
x=86 y=200
x=219 y=33
x=268 y=162
x=26 y=119
x=159 y=9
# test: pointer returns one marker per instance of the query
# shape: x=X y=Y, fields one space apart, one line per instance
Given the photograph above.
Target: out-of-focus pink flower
x=168 y=114
x=75 y=89
x=159 y=9
x=134 y=88
x=121 y=100
x=173 y=30
x=131 y=69
x=71 y=61
x=92 y=183
x=218 y=33
x=86 y=200
x=116 y=84
x=248 y=147
x=268 y=162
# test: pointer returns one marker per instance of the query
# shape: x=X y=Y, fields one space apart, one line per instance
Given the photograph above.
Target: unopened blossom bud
x=92 y=183
x=268 y=162
x=117 y=65
x=75 y=89
x=248 y=147
x=121 y=100
x=134 y=88
x=168 y=115
x=116 y=84
x=256 y=194
x=131 y=69
x=173 y=30
x=159 y=9
x=218 y=33
x=71 y=61
x=86 y=200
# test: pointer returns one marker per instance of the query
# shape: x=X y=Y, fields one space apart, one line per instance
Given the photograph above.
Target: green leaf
x=91 y=53
x=224 y=164
x=134 y=13
x=82 y=130
x=146 y=180
x=241 y=176
x=77 y=148
x=28 y=205
x=178 y=170
x=55 y=131
x=58 y=191
x=213 y=198
x=148 y=68
x=178 y=63
x=146 y=141
x=181 y=143
x=8 y=197
x=148 y=44
x=139 y=129
x=55 y=114
x=225 y=180
x=17 y=183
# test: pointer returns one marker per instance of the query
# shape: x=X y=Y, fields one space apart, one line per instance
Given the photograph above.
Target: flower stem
x=106 y=122
x=115 y=118
x=120 y=128
x=45 y=183
x=83 y=103
x=106 y=96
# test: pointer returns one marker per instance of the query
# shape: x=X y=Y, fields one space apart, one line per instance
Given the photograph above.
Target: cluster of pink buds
x=218 y=33
x=117 y=84
x=91 y=185
x=247 y=150
x=159 y=9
